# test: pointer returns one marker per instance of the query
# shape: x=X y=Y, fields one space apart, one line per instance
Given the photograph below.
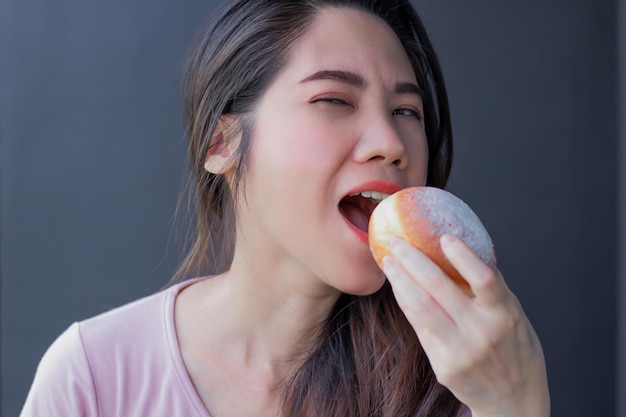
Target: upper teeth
x=374 y=195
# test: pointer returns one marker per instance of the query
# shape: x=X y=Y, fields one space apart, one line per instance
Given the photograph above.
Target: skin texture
x=308 y=153
x=316 y=139
x=483 y=349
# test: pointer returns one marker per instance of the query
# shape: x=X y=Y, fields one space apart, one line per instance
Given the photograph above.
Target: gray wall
x=92 y=151
x=533 y=87
x=621 y=194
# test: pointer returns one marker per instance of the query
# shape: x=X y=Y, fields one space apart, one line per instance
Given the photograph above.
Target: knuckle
x=435 y=281
x=488 y=281
x=418 y=307
x=505 y=328
x=457 y=369
x=432 y=277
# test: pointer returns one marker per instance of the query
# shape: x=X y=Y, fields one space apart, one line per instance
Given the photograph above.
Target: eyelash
x=403 y=111
x=332 y=100
x=411 y=112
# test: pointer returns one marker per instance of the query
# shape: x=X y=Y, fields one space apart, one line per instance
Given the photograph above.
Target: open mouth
x=358 y=207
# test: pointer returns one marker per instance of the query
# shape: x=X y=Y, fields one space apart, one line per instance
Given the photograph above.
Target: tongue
x=355 y=215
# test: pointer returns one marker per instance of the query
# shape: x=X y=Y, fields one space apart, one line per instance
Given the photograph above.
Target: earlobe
x=221 y=156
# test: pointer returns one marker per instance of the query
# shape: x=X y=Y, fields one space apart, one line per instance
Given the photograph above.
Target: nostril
x=397 y=161
x=382 y=147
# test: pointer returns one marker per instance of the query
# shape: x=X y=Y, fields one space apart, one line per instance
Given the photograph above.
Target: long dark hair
x=368 y=360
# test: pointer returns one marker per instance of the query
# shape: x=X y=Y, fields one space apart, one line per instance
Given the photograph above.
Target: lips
x=357 y=210
x=357 y=206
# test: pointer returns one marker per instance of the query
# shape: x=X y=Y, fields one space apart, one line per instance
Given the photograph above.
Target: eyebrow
x=357 y=80
x=346 y=77
x=409 y=88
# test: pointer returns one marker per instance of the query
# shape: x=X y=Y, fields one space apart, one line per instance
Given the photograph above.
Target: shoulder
x=141 y=318
x=135 y=345
x=139 y=332
x=118 y=360
x=63 y=384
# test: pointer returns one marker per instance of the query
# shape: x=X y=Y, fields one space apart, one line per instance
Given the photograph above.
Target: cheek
x=293 y=153
x=417 y=149
x=304 y=140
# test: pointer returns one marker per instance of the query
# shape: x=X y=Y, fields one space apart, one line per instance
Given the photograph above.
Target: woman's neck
x=259 y=318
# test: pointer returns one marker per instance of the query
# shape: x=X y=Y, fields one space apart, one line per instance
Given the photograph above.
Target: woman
x=293 y=109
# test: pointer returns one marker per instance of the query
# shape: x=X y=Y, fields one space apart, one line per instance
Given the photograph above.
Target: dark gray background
x=92 y=152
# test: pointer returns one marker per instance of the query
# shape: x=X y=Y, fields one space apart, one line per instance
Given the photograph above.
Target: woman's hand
x=483 y=349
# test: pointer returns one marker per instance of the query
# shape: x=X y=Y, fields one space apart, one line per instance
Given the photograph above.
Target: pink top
x=101 y=368
x=125 y=362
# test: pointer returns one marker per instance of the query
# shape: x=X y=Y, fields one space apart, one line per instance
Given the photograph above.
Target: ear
x=221 y=155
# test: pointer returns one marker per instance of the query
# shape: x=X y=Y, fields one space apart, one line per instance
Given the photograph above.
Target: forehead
x=352 y=40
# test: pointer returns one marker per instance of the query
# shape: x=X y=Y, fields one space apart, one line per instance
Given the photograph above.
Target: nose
x=382 y=142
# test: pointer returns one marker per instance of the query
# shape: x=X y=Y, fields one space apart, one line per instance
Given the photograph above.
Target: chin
x=365 y=284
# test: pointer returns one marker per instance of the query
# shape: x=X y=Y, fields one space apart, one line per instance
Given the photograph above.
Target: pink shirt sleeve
x=63 y=384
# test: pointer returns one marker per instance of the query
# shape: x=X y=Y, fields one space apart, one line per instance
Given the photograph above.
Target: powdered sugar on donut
x=448 y=214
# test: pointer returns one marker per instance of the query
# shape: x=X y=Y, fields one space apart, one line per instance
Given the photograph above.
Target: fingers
x=487 y=284
x=429 y=299
x=430 y=277
x=419 y=307
x=483 y=348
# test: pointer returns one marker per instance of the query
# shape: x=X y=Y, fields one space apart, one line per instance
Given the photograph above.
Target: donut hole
x=357 y=210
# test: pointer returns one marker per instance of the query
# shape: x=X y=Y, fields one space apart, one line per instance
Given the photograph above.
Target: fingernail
x=446 y=240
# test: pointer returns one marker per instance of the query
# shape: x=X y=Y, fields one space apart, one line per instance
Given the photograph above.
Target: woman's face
x=344 y=117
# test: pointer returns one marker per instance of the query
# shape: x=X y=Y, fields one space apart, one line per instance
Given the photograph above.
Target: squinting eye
x=403 y=111
x=332 y=100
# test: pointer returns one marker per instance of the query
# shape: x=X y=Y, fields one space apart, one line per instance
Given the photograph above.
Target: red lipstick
x=380 y=186
x=356 y=209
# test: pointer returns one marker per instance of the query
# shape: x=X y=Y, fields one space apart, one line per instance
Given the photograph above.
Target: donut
x=422 y=215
